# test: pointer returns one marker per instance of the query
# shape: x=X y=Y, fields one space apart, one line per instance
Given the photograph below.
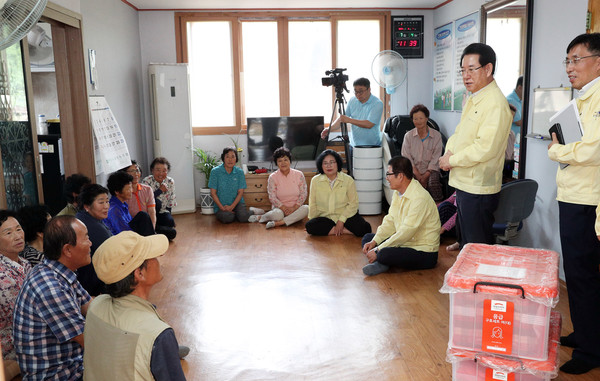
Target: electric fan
x=389 y=70
x=40 y=46
x=17 y=17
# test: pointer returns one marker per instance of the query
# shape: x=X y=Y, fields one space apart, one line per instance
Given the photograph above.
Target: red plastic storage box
x=500 y=299
x=488 y=367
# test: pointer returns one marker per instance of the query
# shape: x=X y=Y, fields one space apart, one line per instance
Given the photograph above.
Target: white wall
x=447 y=120
x=111 y=28
x=418 y=88
x=548 y=51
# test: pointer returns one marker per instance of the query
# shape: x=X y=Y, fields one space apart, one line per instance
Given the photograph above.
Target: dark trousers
x=475 y=217
x=142 y=224
x=581 y=256
x=323 y=225
x=404 y=257
x=240 y=212
x=165 y=224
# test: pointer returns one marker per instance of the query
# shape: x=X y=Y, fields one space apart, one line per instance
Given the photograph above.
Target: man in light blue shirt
x=363 y=113
x=515 y=98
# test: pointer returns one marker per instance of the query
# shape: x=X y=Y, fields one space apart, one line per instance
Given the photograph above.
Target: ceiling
x=277 y=4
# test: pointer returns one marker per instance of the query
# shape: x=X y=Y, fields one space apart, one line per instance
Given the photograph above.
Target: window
x=261 y=68
x=211 y=80
x=266 y=64
x=310 y=57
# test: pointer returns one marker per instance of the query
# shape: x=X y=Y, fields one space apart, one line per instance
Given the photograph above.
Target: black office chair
x=516 y=204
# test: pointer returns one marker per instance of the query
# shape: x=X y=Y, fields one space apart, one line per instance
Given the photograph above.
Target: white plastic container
x=367 y=169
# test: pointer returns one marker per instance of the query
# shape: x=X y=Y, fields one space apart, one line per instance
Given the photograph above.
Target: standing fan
x=389 y=69
x=17 y=17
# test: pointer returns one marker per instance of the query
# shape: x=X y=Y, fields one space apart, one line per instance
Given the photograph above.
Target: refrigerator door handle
x=154 y=108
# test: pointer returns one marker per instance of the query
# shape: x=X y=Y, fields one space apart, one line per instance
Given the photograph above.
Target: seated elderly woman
x=119 y=219
x=423 y=147
x=287 y=192
x=72 y=187
x=142 y=196
x=33 y=220
x=333 y=201
x=94 y=204
x=227 y=183
x=13 y=270
x=164 y=195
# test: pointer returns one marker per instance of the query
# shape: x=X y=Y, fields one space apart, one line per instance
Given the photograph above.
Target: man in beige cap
x=125 y=338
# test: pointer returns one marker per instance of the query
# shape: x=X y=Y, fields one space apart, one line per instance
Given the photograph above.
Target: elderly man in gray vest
x=125 y=338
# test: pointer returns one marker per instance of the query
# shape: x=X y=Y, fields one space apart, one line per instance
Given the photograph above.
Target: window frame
x=282 y=18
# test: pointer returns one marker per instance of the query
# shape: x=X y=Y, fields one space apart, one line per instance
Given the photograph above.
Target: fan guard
x=389 y=69
x=17 y=17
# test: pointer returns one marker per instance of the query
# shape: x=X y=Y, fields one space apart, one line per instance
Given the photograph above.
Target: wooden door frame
x=69 y=61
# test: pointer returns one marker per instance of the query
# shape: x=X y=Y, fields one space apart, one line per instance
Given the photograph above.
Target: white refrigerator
x=172 y=128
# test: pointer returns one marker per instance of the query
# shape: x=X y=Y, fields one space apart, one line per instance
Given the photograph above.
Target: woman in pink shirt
x=287 y=192
x=423 y=147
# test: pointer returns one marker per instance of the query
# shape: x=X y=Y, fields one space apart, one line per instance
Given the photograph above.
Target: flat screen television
x=300 y=134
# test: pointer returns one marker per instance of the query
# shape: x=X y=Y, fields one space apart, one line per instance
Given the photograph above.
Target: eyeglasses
x=329 y=163
x=360 y=91
x=133 y=170
x=470 y=70
x=389 y=174
x=575 y=61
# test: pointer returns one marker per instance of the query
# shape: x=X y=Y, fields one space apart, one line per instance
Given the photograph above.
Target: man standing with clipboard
x=578 y=194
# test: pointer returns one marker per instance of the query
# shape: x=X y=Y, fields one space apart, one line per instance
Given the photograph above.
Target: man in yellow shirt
x=578 y=194
x=475 y=153
x=409 y=236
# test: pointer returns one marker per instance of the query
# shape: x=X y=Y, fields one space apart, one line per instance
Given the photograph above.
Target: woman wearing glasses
x=333 y=201
x=142 y=197
x=423 y=147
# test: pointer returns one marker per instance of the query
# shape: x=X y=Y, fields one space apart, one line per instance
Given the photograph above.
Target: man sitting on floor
x=409 y=236
x=125 y=319
x=50 y=309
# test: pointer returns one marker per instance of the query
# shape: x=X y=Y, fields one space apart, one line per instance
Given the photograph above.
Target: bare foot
x=453 y=247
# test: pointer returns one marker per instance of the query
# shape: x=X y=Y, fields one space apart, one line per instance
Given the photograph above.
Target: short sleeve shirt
x=227 y=184
x=141 y=199
x=12 y=276
x=47 y=316
x=371 y=110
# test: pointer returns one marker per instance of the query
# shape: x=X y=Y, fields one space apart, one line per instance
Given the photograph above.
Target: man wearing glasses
x=475 y=152
x=363 y=113
x=578 y=194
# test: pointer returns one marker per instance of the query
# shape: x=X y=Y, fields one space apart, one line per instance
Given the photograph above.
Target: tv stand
x=256 y=194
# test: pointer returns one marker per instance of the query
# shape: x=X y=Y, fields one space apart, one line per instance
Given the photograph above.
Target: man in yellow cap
x=125 y=338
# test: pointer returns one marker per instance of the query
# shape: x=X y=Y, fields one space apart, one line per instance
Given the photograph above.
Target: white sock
x=257 y=211
x=253 y=218
x=270 y=224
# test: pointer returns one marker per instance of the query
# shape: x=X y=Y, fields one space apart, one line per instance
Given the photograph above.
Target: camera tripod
x=339 y=103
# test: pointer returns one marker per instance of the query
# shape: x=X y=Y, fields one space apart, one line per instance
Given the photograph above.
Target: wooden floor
x=281 y=305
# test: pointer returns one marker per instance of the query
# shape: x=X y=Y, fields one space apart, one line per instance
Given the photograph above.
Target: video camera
x=336 y=78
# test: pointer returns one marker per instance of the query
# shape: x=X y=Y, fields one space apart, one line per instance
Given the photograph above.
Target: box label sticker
x=497 y=328
x=501 y=271
x=497 y=375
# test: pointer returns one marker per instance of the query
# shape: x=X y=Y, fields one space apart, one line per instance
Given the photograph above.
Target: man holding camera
x=364 y=114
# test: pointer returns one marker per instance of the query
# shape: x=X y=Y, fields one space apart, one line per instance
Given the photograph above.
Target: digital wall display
x=407 y=36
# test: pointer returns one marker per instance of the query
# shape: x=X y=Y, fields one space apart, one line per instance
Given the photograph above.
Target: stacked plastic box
x=500 y=310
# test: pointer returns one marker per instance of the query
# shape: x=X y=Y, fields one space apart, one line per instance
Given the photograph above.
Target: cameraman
x=364 y=114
